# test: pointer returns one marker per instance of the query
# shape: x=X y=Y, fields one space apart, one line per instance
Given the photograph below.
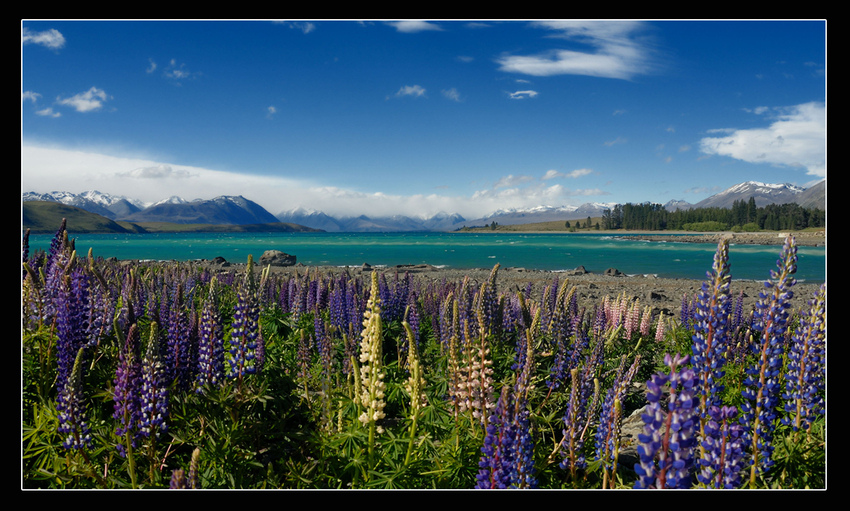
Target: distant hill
x=813 y=197
x=231 y=211
x=220 y=210
x=44 y=217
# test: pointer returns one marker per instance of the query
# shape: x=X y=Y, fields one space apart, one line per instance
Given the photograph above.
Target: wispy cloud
x=412 y=26
x=611 y=49
x=52 y=38
x=522 y=94
x=796 y=137
x=416 y=91
x=46 y=169
x=87 y=101
x=552 y=174
x=451 y=94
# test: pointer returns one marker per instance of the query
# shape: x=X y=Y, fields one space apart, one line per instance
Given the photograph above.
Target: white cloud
x=511 y=180
x=552 y=174
x=88 y=101
x=410 y=26
x=796 y=137
x=52 y=38
x=48 y=112
x=451 y=94
x=45 y=169
x=522 y=94
x=613 y=50
x=410 y=90
x=30 y=96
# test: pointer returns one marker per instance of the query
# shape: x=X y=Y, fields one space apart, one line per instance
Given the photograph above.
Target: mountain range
x=237 y=210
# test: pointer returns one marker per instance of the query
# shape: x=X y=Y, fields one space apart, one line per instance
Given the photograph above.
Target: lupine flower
x=72 y=414
x=666 y=448
x=806 y=369
x=245 y=334
x=722 y=461
x=608 y=432
x=180 y=349
x=579 y=408
x=154 y=399
x=506 y=456
x=128 y=384
x=659 y=328
x=210 y=342
x=371 y=360
x=762 y=388
x=710 y=339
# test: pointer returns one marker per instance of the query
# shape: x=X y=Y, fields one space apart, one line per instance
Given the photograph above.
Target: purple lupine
x=71 y=315
x=245 y=334
x=722 y=462
x=127 y=392
x=25 y=251
x=608 y=432
x=805 y=378
x=72 y=414
x=154 y=409
x=710 y=337
x=210 y=342
x=493 y=472
x=762 y=383
x=180 y=351
x=666 y=447
x=507 y=454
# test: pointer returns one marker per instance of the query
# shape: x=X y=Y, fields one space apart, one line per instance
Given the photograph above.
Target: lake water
x=595 y=252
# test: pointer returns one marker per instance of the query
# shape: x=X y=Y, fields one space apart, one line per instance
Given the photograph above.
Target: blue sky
x=415 y=117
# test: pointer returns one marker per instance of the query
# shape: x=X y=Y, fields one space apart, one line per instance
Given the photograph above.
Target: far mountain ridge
x=236 y=209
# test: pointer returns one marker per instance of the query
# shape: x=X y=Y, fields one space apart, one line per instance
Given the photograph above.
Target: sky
x=417 y=117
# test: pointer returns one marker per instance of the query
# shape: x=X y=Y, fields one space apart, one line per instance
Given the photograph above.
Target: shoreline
x=803 y=239
x=664 y=295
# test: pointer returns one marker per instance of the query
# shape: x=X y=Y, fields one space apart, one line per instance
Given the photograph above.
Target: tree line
x=742 y=216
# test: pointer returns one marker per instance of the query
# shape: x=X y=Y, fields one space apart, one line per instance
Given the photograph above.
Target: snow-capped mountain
x=104 y=204
x=363 y=223
x=228 y=209
x=543 y=214
x=763 y=193
x=220 y=210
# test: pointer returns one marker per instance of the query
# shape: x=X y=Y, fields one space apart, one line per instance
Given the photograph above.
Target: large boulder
x=277 y=258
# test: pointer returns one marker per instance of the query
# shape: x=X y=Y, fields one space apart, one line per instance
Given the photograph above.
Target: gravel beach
x=663 y=294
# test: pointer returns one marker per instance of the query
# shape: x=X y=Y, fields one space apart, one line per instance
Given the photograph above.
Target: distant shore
x=808 y=238
x=803 y=239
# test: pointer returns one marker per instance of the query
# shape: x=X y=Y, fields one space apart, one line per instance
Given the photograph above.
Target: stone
x=277 y=258
x=220 y=261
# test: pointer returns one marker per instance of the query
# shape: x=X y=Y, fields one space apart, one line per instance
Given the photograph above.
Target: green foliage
x=282 y=428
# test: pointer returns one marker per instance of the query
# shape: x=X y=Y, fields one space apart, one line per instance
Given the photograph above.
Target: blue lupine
x=245 y=333
x=710 y=337
x=180 y=353
x=805 y=378
x=128 y=385
x=154 y=409
x=722 y=462
x=762 y=384
x=210 y=342
x=71 y=315
x=72 y=414
x=608 y=432
x=666 y=447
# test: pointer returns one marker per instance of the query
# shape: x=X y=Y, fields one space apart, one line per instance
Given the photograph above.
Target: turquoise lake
x=595 y=252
